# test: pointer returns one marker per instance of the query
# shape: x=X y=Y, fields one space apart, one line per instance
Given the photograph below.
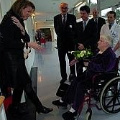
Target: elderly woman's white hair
x=107 y=38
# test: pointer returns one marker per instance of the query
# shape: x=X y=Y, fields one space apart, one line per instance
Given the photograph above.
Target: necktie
x=64 y=20
x=96 y=23
x=110 y=25
x=84 y=25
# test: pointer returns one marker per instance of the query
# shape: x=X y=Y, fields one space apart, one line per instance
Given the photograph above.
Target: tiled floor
x=48 y=82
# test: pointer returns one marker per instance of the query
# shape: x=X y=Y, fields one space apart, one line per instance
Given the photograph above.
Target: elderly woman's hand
x=34 y=45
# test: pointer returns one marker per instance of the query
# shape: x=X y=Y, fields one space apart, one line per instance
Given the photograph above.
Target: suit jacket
x=88 y=36
x=65 y=33
x=100 y=23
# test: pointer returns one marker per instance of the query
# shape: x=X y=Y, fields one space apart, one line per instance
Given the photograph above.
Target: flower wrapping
x=83 y=54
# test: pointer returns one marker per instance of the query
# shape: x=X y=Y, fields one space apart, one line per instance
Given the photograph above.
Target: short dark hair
x=85 y=8
x=112 y=12
x=18 y=5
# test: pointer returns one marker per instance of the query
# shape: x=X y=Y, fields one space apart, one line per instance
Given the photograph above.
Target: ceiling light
x=33 y=15
x=78 y=4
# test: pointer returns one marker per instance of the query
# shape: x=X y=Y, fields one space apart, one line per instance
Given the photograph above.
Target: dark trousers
x=17 y=94
x=24 y=83
x=79 y=68
x=76 y=91
x=62 y=60
x=79 y=95
x=17 y=77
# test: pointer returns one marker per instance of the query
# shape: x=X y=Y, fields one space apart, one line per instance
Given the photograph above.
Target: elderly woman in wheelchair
x=101 y=66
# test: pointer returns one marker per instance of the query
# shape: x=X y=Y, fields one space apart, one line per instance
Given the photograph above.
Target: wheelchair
x=105 y=93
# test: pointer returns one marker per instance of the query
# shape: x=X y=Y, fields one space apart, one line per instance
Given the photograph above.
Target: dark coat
x=65 y=33
x=104 y=62
x=100 y=23
x=11 y=33
x=12 y=53
x=88 y=36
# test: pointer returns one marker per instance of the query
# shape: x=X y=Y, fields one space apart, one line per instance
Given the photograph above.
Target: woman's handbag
x=62 y=89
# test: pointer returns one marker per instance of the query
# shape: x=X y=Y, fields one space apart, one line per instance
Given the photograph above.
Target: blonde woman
x=14 y=39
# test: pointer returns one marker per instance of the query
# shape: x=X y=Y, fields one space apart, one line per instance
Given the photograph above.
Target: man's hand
x=73 y=62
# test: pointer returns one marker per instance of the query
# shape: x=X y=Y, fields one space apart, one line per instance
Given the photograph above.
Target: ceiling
x=47 y=9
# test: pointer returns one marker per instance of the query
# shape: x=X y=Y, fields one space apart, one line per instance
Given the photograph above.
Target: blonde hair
x=107 y=38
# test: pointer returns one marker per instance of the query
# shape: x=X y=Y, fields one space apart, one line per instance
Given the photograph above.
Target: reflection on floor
x=48 y=82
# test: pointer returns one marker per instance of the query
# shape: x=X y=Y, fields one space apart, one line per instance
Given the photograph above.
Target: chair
x=105 y=91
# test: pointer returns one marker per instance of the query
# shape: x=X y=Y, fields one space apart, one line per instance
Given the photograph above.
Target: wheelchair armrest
x=106 y=73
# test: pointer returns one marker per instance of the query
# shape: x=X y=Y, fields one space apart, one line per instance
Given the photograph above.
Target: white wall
x=108 y=3
x=5 y=6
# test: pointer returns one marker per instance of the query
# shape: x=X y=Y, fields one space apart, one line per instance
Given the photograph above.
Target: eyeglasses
x=64 y=8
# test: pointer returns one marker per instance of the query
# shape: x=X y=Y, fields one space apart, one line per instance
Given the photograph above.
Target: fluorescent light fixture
x=33 y=15
x=78 y=4
x=78 y=7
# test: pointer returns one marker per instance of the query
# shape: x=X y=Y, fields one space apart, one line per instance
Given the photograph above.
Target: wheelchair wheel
x=110 y=96
x=88 y=114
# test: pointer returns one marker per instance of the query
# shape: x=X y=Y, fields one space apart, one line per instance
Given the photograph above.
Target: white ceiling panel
x=47 y=9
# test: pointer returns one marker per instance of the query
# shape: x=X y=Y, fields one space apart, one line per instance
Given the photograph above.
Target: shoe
x=58 y=103
x=69 y=115
x=62 y=81
x=45 y=110
x=71 y=77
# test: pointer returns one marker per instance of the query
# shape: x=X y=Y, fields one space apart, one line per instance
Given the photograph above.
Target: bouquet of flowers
x=83 y=54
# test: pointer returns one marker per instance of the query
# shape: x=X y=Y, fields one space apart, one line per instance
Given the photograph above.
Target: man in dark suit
x=65 y=27
x=98 y=20
x=86 y=35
